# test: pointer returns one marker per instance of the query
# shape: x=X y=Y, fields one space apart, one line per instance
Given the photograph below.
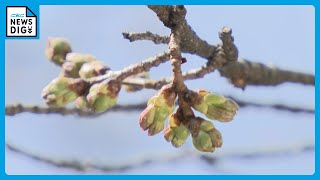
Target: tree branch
x=133 y=69
x=241 y=73
x=157 y=39
x=12 y=110
x=84 y=166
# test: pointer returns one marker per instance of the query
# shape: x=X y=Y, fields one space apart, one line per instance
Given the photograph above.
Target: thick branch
x=241 y=73
x=244 y=73
x=190 y=42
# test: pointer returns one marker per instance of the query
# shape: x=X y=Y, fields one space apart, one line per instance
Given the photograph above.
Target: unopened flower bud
x=176 y=133
x=215 y=106
x=82 y=103
x=92 y=69
x=57 y=49
x=130 y=88
x=103 y=96
x=207 y=138
x=61 y=91
x=158 y=109
x=74 y=62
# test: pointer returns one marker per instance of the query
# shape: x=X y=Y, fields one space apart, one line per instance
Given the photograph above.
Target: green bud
x=102 y=96
x=146 y=117
x=202 y=142
x=214 y=99
x=216 y=138
x=74 y=62
x=215 y=106
x=201 y=107
x=162 y=104
x=59 y=92
x=168 y=134
x=230 y=105
x=156 y=127
x=208 y=137
x=176 y=133
x=220 y=114
x=92 y=69
x=57 y=49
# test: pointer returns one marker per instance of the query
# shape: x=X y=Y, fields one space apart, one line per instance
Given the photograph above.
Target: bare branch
x=136 y=36
x=190 y=42
x=133 y=69
x=244 y=73
x=157 y=39
x=240 y=73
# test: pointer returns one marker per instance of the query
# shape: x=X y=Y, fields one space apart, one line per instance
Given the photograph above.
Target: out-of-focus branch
x=12 y=110
x=84 y=166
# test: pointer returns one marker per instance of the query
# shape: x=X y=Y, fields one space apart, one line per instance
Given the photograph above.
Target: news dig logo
x=21 y=22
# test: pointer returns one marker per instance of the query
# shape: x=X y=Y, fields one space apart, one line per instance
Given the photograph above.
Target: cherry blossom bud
x=176 y=133
x=57 y=49
x=159 y=108
x=103 y=96
x=215 y=106
x=207 y=138
x=61 y=91
x=74 y=62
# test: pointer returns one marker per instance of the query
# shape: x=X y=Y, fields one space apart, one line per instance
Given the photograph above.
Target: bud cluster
x=205 y=136
x=71 y=86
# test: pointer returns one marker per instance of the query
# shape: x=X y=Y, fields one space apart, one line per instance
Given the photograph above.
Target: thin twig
x=157 y=39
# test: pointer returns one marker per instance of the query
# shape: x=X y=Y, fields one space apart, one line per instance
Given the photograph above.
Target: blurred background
x=260 y=140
